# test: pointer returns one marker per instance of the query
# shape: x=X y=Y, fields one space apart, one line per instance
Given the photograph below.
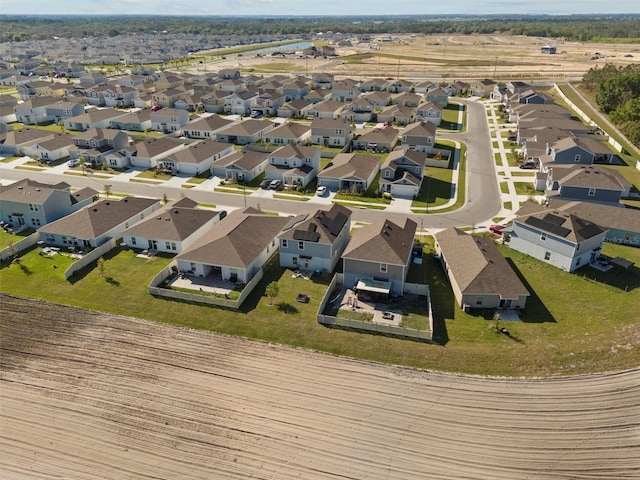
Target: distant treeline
x=570 y=27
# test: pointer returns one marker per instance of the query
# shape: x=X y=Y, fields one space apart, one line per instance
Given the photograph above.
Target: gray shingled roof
x=477 y=265
x=98 y=218
x=384 y=242
x=172 y=223
x=237 y=240
x=326 y=223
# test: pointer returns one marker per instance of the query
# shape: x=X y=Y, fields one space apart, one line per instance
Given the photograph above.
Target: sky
x=325 y=7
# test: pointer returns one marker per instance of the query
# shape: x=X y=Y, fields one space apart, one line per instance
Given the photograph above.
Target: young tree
x=83 y=163
x=101 y=267
x=272 y=291
x=107 y=190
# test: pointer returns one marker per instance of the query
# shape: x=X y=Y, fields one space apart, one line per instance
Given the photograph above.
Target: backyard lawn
x=597 y=330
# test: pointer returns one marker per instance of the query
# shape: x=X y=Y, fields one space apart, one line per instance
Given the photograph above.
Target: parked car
x=256 y=114
x=222 y=214
x=497 y=229
x=528 y=165
x=321 y=191
x=275 y=184
x=74 y=162
x=264 y=184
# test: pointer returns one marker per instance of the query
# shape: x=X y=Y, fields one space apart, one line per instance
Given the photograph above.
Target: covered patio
x=212 y=283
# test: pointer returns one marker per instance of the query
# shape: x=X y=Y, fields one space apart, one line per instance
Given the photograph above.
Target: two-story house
x=94 y=144
x=401 y=173
x=294 y=165
x=429 y=112
x=27 y=203
x=331 y=132
x=561 y=239
x=377 y=259
x=169 y=120
x=420 y=136
x=317 y=241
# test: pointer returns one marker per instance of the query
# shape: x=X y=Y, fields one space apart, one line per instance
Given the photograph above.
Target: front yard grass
x=597 y=330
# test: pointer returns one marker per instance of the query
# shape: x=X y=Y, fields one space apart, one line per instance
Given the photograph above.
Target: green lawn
x=524 y=188
x=594 y=331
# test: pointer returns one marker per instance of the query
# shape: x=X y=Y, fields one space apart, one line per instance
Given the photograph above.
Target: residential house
x=215 y=101
x=407 y=99
x=96 y=224
x=240 y=103
x=325 y=109
x=345 y=90
x=424 y=87
x=330 y=132
x=350 y=171
x=34 y=110
x=401 y=173
x=532 y=97
x=577 y=150
x=295 y=89
x=229 y=74
x=289 y=133
x=150 y=152
x=51 y=149
x=246 y=132
x=317 y=96
x=195 y=158
x=35 y=88
x=397 y=114
x=379 y=99
x=138 y=121
x=240 y=166
x=322 y=81
x=171 y=229
x=482 y=88
x=233 y=85
x=377 y=139
x=294 y=165
x=61 y=110
x=429 y=112
x=169 y=120
x=168 y=98
x=456 y=88
x=622 y=224
x=373 y=85
x=94 y=77
x=377 y=259
x=95 y=143
x=93 y=118
x=18 y=142
x=479 y=274
x=317 y=241
x=438 y=96
x=206 y=127
x=234 y=249
x=359 y=110
x=27 y=203
x=561 y=239
x=295 y=109
x=587 y=183
x=420 y=136
x=268 y=103
x=399 y=86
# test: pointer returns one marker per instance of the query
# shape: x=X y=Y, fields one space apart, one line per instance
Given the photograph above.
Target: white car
x=321 y=191
x=73 y=163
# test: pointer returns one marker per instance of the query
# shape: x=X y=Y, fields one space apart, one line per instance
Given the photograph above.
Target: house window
x=33 y=207
x=301 y=245
x=133 y=240
x=577 y=158
x=35 y=222
x=285 y=243
x=547 y=255
x=479 y=300
x=384 y=267
x=543 y=236
x=592 y=191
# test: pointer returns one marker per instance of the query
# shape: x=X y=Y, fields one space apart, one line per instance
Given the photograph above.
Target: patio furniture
x=302 y=298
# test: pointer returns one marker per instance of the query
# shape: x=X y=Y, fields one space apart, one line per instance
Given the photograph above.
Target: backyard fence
x=90 y=257
x=19 y=246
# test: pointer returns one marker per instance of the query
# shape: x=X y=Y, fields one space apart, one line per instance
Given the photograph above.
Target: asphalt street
x=482 y=195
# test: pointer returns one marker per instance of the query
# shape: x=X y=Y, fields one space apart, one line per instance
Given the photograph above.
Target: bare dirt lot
x=448 y=58
x=85 y=395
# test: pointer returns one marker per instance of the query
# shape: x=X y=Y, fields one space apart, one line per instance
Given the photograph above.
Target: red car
x=497 y=229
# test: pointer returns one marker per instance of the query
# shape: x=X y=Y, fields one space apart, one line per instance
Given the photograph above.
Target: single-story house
x=240 y=165
x=479 y=274
x=350 y=171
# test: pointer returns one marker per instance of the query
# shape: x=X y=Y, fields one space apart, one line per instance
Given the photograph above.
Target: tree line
x=569 y=27
x=618 y=95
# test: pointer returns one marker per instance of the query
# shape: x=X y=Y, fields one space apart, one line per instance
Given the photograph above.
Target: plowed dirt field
x=85 y=395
